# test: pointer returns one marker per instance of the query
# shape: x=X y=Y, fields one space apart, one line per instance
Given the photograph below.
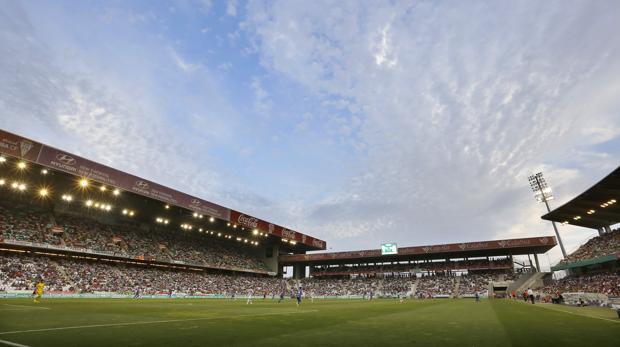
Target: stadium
x=338 y=173
x=126 y=261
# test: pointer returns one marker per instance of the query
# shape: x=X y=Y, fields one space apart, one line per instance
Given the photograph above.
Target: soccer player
x=281 y=297
x=38 y=291
x=299 y=294
x=136 y=294
x=249 y=302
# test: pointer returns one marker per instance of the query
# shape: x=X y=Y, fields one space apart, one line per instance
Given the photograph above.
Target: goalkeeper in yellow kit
x=38 y=291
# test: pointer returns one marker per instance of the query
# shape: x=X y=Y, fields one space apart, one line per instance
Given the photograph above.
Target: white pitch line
x=150 y=322
x=578 y=314
x=14 y=344
x=29 y=307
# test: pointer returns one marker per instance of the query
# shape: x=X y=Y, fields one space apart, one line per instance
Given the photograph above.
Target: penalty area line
x=151 y=322
x=14 y=344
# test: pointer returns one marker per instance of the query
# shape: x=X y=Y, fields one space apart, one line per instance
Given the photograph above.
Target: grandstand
x=437 y=271
x=594 y=268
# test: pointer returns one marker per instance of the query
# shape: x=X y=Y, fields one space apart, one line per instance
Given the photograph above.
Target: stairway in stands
x=379 y=289
x=414 y=287
x=457 y=286
x=61 y=271
x=527 y=280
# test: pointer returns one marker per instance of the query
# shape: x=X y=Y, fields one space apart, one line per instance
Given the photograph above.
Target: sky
x=359 y=122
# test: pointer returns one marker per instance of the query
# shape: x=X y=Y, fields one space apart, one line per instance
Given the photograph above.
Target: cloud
x=182 y=63
x=231 y=8
x=456 y=105
x=262 y=101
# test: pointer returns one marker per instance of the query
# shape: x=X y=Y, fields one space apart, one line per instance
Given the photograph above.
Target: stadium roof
x=78 y=168
x=533 y=245
x=595 y=208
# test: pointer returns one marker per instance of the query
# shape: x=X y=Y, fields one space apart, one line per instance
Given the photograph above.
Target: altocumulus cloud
x=458 y=102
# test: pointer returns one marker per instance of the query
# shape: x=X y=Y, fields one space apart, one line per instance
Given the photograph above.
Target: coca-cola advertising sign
x=247 y=221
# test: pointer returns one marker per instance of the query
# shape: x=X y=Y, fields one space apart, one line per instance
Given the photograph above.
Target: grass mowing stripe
x=151 y=322
x=14 y=344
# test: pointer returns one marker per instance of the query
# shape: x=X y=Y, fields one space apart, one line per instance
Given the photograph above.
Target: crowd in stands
x=439 y=284
x=20 y=272
x=341 y=286
x=397 y=285
x=606 y=244
x=30 y=224
x=474 y=283
x=603 y=283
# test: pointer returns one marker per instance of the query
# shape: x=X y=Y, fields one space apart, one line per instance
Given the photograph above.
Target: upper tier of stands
x=126 y=240
x=599 y=246
x=474 y=264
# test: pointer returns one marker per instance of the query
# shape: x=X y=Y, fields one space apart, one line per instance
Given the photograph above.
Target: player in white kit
x=249 y=302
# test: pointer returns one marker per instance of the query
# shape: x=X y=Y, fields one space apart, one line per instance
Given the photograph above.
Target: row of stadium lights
x=590 y=212
x=255 y=232
x=107 y=207
x=186 y=226
x=84 y=184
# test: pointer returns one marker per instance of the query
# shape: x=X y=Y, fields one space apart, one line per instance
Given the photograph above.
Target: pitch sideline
x=14 y=344
x=575 y=314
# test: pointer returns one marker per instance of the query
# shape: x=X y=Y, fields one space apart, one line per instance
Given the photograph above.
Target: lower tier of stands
x=20 y=271
x=603 y=283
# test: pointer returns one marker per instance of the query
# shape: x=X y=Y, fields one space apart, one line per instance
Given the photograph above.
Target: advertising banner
x=252 y=223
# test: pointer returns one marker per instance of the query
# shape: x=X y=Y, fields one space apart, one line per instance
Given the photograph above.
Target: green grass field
x=202 y=322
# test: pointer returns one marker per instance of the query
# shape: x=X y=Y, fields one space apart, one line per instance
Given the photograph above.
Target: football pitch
x=219 y=322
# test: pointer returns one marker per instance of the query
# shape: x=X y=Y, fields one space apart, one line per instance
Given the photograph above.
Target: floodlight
x=543 y=193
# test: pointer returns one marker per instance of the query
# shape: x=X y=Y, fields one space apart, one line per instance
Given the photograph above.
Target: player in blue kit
x=299 y=294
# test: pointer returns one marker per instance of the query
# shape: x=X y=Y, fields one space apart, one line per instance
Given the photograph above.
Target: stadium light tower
x=542 y=193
